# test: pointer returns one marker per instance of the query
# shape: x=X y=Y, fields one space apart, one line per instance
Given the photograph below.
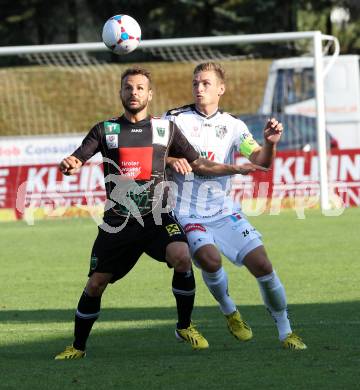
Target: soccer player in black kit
x=134 y=147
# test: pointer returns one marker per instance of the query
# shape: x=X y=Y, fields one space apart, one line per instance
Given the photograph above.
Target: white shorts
x=233 y=235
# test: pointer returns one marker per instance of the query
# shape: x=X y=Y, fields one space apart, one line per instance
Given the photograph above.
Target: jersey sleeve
x=181 y=147
x=166 y=115
x=245 y=142
x=89 y=146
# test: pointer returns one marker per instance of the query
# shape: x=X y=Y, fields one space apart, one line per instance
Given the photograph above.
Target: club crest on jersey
x=111 y=128
x=93 y=262
x=111 y=141
x=161 y=131
x=220 y=131
x=195 y=132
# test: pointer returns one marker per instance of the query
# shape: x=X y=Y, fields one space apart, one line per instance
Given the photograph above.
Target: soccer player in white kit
x=212 y=221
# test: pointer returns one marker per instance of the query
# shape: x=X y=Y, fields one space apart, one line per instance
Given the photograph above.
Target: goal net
x=62 y=90
x=61 y=93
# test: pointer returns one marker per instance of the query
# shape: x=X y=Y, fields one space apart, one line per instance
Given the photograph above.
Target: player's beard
x=134 y=110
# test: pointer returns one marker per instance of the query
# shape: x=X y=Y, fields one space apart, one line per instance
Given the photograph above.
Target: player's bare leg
x=273 y=294
x=216 y=280
x=183 y=285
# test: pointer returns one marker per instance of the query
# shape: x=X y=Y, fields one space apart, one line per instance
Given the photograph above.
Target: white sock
x=217 y=283
x=274 y=297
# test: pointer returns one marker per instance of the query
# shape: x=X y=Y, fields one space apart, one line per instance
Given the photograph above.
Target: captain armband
x=248 y=146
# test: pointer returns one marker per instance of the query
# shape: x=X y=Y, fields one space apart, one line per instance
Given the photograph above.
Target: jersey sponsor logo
x=225 y=210
x=235 y=217
x=112 y=128
x=192 y=227
x=112 y=141
x=173 y=229
x=136 y=130
x=220 y=131
x=208 y=155
x=136 y=162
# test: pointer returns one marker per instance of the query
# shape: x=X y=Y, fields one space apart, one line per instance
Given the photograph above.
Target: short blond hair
x=211 y=66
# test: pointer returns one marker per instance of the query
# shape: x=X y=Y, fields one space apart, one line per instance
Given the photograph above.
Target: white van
x=290 y=90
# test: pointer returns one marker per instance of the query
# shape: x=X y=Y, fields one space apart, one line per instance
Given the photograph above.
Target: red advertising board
x=44 y=186
x=293 y=174
x=296 y=174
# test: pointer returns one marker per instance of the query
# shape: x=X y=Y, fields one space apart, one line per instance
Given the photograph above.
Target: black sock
x=87 y=313
x=183 y=285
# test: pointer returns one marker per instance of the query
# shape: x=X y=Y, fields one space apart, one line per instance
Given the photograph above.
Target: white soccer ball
x=121 y=34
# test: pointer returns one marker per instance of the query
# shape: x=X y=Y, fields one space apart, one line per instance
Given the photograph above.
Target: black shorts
x=117 y=253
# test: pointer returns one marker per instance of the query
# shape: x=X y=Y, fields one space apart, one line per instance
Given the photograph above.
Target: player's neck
x=207 y=110
x=133 y=118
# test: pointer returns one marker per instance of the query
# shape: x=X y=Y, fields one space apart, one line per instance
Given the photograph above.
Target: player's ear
x=150 y=95
x=221 y=90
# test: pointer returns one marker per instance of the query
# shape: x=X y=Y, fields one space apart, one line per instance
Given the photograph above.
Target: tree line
x=28 y=22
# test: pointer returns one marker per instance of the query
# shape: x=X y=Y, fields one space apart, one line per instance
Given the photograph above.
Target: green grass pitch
x=43 y=270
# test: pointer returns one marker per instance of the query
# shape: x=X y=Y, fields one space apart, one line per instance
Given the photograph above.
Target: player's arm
x=183 y=158
x=204 y=167
x=264 y=156
x=89 y=147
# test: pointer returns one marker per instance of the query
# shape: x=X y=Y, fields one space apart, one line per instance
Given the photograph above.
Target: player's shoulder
x=108 y=121
x=234 y=119
x=109 y=126
x=160 y=120
x=229 y=116
x=188 y=108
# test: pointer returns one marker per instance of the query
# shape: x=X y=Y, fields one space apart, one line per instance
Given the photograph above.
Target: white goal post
x=315 y=39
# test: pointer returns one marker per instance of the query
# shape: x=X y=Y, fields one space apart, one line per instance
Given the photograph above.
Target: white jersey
x=216 y=138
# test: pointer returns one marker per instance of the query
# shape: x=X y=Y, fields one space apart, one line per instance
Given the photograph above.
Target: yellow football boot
x=238 y=327
x=70 y=353
x=192 y=336
x=293 y=341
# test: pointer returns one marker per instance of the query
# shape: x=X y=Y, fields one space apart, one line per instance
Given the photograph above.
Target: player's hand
x=179 y=165
x=245 y=169
x=272 y=131
x=70 y=165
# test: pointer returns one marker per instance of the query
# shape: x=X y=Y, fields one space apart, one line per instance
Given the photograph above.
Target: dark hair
x=211 y=66
x=135 y=71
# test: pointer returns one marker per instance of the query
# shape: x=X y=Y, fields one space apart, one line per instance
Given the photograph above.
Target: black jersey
x=134 y=157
